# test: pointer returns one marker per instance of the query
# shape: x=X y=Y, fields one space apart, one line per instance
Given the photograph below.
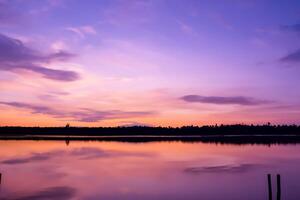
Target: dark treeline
x=221 y=130
x=223 y=134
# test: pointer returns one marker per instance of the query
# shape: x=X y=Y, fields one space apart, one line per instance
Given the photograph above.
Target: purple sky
x=149 y=62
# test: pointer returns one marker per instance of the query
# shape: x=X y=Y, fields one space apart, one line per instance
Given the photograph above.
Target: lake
x=151 y=170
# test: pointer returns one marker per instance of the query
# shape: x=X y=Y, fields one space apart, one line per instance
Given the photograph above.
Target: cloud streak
x=34 y=157
x=89 y=115
x=15 y=55
x=82 y=115
x=82 y=31
x=238 y=100
x=186 y=28
x=83 y=153
x=86 y=153
x=221 y=168
x=292 y=57
x=294 y=27
x=58 y=192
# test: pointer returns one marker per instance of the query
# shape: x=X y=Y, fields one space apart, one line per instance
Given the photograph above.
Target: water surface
x=154 y=170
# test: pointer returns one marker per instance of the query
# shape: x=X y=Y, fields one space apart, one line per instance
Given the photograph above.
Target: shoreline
x=231 y=134
x=218 y=139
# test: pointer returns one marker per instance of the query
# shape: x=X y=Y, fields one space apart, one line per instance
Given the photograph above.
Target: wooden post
x=278 y=187
x=270 y=186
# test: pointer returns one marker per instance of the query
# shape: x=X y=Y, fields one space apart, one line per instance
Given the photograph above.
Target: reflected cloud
x=231 y=168
x=83 y=153
x=59 y=193
x=34 y=157
x=90 y=153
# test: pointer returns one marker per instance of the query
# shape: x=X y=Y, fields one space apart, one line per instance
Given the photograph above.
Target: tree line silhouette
x=212 y=130
x=233 y=134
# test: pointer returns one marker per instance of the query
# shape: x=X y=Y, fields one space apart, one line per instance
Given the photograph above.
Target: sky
x=149 y=62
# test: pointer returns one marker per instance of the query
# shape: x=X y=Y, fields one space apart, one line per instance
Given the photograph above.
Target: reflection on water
x=154 y=170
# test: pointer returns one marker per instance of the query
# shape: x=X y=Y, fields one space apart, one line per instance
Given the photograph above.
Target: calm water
x=158 y=170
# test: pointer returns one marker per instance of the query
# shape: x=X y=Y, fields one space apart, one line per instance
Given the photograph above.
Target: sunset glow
x=149 y=62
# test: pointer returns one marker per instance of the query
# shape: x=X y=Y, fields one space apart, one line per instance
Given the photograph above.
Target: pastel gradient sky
x=149 y=62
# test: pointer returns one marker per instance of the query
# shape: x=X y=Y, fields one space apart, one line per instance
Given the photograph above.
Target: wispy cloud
x=82 y=31
x=295 y=55
x=133 y=123
x=186 y=28
x=89 y=115
x=239 y=100
x=15 y=55
x=291 y=57
x=35 y=109
x=82 y=115
x=294 y=27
